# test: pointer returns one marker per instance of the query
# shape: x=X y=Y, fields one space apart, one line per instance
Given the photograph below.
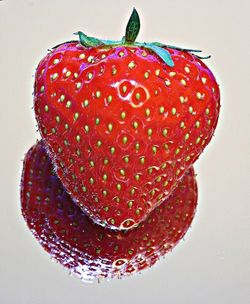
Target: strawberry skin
x=121 y=125
x=89 y=250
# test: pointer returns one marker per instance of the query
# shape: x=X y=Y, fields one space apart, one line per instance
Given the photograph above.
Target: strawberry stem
x=133 y=27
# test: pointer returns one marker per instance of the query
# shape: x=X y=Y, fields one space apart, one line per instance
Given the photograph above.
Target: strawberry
x=87 y=249
x=123 y=121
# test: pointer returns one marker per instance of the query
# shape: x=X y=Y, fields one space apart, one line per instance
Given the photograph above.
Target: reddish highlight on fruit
x=123 y=121
x=89 y=250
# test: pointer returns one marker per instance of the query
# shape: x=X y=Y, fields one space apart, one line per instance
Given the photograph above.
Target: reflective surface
x=88 y=250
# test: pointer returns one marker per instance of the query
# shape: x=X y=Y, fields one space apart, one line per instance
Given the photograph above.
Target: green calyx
x=132 y=31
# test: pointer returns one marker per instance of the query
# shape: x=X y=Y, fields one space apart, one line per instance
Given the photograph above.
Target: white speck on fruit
x=78 y=85
x=167 y=83
x=198 y=140
x=172 y=74
x=90 y=75
x=197 y=124
x=124 y=139
x=54 y=76
x=154 y=149
x=183 y=82
x=135 y=124
x=123 y=115
x=110 y=127
x=165 y=132
x=137 y=177
x=190 y=110
x=150 y=132
x=147 y=112
x=183 y=99
x=142 y=160
x=182 y=125
x=122 y=172
x=91 y=59
x=204 y=80
x=68 y=104
x=76 y=116
x=98 y=94
x=110 y=98
x=157 y=72
x=199 y=95
x=131 y=65
x=68 y=73
x=173 y=111
x=161 y=110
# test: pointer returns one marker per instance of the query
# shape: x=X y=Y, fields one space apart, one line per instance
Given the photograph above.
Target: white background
x=212 y=265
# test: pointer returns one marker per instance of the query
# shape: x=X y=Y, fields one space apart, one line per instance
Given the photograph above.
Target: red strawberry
x=87 y=249
x=123 y=121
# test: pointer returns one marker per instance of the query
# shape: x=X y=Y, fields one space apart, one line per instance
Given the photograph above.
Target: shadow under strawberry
x=91 y=251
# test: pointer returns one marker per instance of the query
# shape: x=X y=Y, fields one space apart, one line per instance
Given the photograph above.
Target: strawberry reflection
x=87 y=249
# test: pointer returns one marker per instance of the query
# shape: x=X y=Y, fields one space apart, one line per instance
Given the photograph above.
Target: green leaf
x=162 y=53
x=203 y=57
x=133 y=27
x=175 y=47
x=111 y=42
x=183 y=49
x=88 y=41
x=158 y=44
